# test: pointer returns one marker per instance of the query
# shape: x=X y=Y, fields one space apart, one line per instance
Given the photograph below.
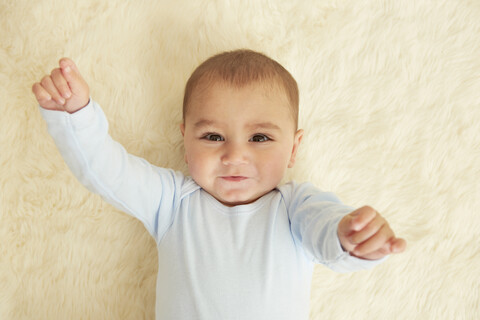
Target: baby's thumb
x=78 y=86
x=72 y=75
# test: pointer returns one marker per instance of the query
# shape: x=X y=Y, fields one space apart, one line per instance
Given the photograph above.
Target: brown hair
x=240 y=68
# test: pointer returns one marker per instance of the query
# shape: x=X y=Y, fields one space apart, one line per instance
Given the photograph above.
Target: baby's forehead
x=211 y=85
x=256 y=106
x=209 y=89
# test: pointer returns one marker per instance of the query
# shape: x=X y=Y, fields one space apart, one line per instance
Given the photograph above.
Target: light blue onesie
x=247 y=262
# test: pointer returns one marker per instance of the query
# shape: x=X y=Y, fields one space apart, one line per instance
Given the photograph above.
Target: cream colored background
x=390 y=101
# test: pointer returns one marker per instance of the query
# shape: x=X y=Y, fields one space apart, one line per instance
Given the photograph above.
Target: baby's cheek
x=200 y=169
x=192 y=165
x=274 y=169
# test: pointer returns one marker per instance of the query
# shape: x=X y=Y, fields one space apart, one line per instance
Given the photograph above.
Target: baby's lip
x=234 y=178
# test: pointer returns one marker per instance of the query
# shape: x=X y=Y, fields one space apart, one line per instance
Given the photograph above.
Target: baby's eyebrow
x=205 y=123
x=264 y=125
x=253 y=126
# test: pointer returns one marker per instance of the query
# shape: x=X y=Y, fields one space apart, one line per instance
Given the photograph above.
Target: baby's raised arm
x=64 y=89
x=79 y=128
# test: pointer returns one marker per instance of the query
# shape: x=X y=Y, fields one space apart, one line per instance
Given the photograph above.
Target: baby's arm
x=367 y=235
x=80 y=130
x=318 y=222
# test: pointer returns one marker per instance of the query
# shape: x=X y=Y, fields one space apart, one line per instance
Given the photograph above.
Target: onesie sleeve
x=314 y=217
x=104 y=167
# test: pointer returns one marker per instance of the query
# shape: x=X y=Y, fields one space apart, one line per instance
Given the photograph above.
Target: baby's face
x=239 y=141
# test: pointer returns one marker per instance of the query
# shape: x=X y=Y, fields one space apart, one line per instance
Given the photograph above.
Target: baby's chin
x=233 y=193
x=232 y=199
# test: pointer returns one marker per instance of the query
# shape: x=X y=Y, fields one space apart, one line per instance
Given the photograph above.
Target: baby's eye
x=213 y=137
x=259 y=138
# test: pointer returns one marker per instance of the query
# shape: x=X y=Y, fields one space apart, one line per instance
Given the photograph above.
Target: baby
x=232 y=243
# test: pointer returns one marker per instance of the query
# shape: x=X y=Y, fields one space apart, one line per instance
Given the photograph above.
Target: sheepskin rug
x=390 y=103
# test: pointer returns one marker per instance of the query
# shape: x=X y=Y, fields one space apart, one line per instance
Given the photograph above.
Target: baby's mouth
x=234 y=178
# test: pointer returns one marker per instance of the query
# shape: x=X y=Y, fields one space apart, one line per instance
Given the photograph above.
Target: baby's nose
x=235 y=154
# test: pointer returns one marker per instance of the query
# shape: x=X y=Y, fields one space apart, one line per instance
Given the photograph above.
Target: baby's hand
x=366 y=234
x=64 y=89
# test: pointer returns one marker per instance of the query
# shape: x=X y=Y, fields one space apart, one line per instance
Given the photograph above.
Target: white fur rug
x=390 y=102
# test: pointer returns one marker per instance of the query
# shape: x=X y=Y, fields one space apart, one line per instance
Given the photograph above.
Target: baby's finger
x=368 y=231
x=43 y=97
x=40 y=94
x=375 y=242
x=398 y=245
x=72 y=75
x=67 y=62
x=60 y=83
x=48 y=85
x=362 y=217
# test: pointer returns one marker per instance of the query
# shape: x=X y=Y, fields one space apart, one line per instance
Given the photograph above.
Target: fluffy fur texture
x=389 y=100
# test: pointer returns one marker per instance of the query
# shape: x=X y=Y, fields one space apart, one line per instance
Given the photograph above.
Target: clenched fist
x=367 y=235
x=64 y=89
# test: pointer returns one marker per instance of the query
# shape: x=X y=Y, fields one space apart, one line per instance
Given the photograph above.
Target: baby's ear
x=182 y=128
x=296 y=143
